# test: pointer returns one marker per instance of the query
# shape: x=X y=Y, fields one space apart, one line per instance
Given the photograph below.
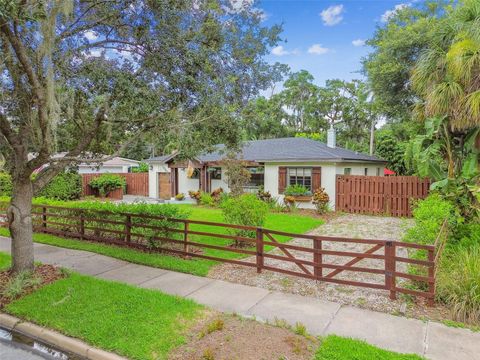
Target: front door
x=164 y=186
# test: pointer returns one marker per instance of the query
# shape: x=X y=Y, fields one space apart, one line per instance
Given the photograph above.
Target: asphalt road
x=12 y=351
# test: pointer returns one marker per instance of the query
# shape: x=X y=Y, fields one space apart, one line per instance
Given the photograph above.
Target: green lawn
x=141 y=323
x=339 y=348
x=278 y=221
x=5 y=261
x=297 y=224
x=135 y=322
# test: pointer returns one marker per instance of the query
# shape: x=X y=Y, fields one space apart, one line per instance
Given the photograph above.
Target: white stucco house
x=114 y=165
x=273 y=163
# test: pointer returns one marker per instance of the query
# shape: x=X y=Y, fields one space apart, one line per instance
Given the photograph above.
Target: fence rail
x=137 y=184
x=184 y=237
x=390 y=195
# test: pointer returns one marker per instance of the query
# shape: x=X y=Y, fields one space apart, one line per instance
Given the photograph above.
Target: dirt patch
x=219 y=336
x=12 y=288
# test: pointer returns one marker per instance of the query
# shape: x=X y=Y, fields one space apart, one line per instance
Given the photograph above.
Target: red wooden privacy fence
x=137 y=183
x=390 y=195
x=316 y=260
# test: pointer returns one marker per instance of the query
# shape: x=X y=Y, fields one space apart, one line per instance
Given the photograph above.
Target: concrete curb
x=56 y=339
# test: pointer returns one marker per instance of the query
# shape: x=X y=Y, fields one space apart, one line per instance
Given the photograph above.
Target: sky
x=326 y=38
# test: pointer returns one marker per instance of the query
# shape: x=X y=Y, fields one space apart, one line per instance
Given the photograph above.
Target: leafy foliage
x=321 y=200
x=247 y=210
x=64 y=186
x=459 y=282
x=6 y=185
x=106 y=183
x=141 y=168
x=296 y=190
x=429 y=215
x=237 y=174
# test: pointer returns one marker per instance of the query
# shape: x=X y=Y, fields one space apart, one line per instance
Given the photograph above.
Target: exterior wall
x=359 y=169
x=153 y=171
x=327 y=180
x=102 y=169
x=328 y=177
x=185 y=184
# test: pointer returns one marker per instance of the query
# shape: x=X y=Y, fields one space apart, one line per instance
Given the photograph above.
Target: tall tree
x=108 y=71
x=396 y=48
x=299 y=97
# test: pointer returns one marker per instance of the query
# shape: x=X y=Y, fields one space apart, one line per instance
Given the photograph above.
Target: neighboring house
x=274 y=164
x=115 y=165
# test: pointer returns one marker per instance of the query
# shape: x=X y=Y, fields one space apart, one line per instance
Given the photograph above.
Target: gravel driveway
x=347 y=225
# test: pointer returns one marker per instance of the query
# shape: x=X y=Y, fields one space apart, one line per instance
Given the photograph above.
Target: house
x=114 y=165
x=273 y=163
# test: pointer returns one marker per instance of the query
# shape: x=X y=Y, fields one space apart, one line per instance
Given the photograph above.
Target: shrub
x=64 y=186
x=6 y=185
x=296 y=190
x=290 y=204
x=180 y=196
x=458 y=283
x=114 y=212
x=429 y=215
x=194 y=194
x=244 y=210
x=106 y=183
x=217 y=195
x=206 y=199
x=321 y=200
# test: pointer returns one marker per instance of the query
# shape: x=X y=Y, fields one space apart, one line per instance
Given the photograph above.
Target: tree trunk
x=20 y=224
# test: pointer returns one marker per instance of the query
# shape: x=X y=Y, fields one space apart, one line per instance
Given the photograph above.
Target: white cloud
x=332 y=15
x=90 y=35
x=358 y=42
x=390 y=13
x=281 y=51
x=318 y=49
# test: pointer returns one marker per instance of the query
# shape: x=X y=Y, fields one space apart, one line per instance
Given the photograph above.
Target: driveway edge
x=56 y=339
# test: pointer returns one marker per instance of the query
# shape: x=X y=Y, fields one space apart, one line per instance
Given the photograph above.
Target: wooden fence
x=187 y=238
x=390 y=195
x=137 y=183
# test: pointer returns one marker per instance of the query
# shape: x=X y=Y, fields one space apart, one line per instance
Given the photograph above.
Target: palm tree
x=447 y=76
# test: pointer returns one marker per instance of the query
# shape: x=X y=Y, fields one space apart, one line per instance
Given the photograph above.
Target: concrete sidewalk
x=429 y=339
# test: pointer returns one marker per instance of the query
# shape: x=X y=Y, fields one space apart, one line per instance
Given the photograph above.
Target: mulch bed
x=45 y=274
x=220 y=336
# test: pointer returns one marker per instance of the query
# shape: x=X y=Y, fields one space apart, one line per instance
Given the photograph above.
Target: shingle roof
x=287 y=149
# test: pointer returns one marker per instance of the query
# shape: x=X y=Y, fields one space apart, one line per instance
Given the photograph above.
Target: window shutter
x=316 y=178
x=282 y=179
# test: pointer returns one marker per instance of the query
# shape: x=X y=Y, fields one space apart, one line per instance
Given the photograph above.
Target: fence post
x=390 y=268
x=185 y=238
x=259 y=244
x=82 y=225
x=317 y=258
x=431 y=275
x=44 y=217
x=128 y=229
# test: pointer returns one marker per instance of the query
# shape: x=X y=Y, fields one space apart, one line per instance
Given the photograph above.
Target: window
x=347 y=171
x=215 y=173
x=300 y=176
x=378 y=171
x=256 y=177
x=366 y=171
x=195 y=174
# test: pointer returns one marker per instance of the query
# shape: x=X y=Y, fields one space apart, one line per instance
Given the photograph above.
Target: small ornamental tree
x=237 y=174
